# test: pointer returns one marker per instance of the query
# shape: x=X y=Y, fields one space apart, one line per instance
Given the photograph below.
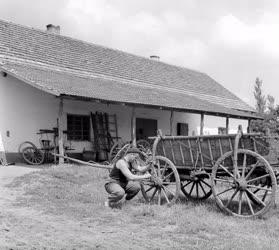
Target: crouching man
x=122 y=181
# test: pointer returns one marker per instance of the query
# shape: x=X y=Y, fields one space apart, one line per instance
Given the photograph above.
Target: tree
x=259 y=96
x=266 y=107
x=270 y=122
x=270 y=103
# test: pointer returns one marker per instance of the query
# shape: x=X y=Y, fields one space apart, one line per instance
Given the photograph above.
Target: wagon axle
x=241 y=184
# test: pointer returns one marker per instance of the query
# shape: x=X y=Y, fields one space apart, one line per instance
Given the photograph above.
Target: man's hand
x=147 y=175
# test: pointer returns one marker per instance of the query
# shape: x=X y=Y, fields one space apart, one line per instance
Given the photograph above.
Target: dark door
x=145 y=128
x=182 y=129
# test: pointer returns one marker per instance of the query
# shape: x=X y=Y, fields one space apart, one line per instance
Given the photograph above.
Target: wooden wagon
x=239 y=170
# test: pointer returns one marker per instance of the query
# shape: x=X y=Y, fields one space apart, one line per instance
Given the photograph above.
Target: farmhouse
x=52 y=81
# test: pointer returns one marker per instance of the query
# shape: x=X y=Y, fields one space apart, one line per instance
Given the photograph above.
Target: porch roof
x=75 y=84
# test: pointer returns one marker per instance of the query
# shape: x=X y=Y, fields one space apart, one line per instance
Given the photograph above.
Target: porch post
x=60 y=130
x=249 y=126
x=202 y=124
x=171 y=123
x=133 y=128
x=227 y=125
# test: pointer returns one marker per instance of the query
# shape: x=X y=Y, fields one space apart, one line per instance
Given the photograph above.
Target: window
x=182 y=129
x=222 y=131
x=78 y=127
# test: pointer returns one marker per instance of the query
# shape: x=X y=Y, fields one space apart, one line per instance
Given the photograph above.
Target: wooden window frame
x=77 y=132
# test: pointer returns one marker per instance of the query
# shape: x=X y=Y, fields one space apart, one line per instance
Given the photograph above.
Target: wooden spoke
x=240 y=202
x=226 y=171
x=227 y=190
x=164 y=170
x=252 y=170
x=259 y=188
x=187 y=184
x=244 y=165
x=166 y=189
x=197 y=189
x=154 y=172
x=258 y=178
x=168 y=176
x=265 y=194
x=230 y=200
x=165 y=194
x=256 y=191
x=202 y=188
x=148 y=183
x=256 y=198
x=205 y=183
x=223 y=180
x=159 y=196
x=192 y=188
x=147 y=190
x=168 y=183
x=152 y=196
x=249 y=204
x=159 y=169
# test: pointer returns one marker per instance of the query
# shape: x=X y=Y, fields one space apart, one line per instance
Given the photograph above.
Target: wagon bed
x=188 y=152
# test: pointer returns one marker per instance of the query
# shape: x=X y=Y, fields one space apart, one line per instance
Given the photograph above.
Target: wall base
x=13 y=157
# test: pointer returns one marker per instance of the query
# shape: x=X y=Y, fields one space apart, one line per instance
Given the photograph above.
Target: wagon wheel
x=118 y=150
x=24 y=145
x=250 y=192
x=164 y=187
x=114 y=149
x=197 y=188
x=144 y=145
x=32 y=155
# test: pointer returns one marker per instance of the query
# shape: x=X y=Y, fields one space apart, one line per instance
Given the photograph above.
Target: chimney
x=155 y=58
x=52 y=29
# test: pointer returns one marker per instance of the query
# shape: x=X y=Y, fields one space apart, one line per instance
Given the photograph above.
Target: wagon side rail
x=188 y=152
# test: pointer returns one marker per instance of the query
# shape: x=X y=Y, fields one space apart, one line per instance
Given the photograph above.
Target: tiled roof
x=58 y=53
x=67 y=83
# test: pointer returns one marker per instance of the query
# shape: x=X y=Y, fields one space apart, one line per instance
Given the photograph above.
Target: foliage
x=270 y=103
x=259 y=96
x=265 y=107
x=270 y=123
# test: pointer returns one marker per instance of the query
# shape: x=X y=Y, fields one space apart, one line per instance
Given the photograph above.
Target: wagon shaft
x=95 y=165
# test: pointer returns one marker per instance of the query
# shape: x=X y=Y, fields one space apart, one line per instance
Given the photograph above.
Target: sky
x=232 y=41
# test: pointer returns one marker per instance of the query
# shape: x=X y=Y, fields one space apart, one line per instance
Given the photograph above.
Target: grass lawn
x=63 y=208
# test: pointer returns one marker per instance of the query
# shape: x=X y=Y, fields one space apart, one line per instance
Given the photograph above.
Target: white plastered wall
x=24 y=110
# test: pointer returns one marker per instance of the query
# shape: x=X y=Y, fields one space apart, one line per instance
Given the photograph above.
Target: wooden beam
x=227 y=125
x=192 y=111
x=133 y=128
x=171 y=123
x=202 y=124
x=249 y=126
x=60 y=130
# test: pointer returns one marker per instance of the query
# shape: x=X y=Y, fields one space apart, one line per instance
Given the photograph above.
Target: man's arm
x=124 y=167
x=140 y=166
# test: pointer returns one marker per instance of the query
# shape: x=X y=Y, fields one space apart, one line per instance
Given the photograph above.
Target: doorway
x=145 y=128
